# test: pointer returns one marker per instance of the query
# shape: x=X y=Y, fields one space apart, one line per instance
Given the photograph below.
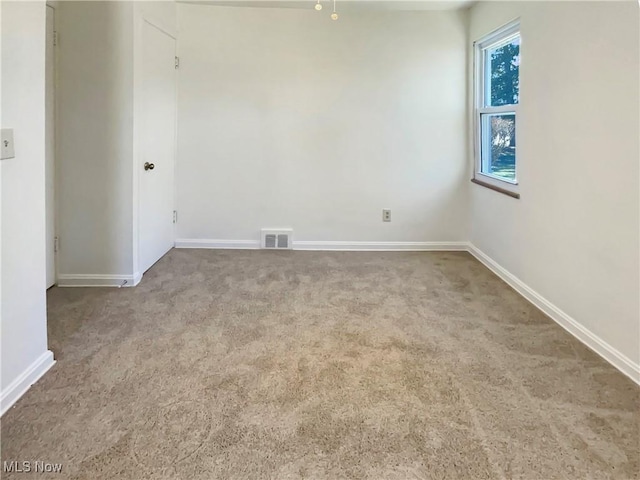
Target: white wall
x=97 y=154
x=95 y=138
x=1 y=124
x=288 y=119
x=573 y=235
x=24 y=355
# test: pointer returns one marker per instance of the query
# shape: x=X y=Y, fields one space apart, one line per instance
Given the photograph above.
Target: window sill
x=495 y=188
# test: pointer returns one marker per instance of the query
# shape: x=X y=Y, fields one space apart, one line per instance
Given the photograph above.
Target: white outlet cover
x=6 y=144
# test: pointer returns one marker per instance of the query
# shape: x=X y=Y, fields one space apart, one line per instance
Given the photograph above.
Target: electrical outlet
x=6 y=144
x=386 y=215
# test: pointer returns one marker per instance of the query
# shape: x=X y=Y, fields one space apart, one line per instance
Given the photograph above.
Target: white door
x=49 y=158
x=157 y=145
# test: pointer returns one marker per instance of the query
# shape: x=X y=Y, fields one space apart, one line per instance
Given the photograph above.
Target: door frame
x=53 y=5
x=139 y=22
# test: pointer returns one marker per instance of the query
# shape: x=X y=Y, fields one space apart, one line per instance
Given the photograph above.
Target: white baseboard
x=98 y=280
x=327 y=245
x=590 y=339
x=218 y=244
x=20 y=385
x=380 y=246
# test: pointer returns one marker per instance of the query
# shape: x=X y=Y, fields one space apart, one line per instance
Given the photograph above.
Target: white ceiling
x=344 y=5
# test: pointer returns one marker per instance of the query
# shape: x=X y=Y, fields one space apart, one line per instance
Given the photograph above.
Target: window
x=497 y=94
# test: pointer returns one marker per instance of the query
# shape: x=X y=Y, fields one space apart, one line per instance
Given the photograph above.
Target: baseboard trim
x=590 y=339
x=218 y=244
x=98 y=280
x=327 y=245
x=380 y=246
x=20 y=385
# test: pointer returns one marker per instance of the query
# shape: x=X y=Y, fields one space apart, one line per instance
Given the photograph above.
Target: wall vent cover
x=276 y=238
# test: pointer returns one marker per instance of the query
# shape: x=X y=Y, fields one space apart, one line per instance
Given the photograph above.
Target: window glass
x=499 y=145
x=502 y=74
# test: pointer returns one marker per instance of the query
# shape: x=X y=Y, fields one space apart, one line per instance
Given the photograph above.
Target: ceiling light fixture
x=334 y=15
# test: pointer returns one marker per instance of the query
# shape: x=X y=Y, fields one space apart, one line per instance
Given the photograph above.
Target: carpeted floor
x=277 y=365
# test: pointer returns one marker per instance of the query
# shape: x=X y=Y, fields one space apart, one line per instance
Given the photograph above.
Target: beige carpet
x=276 y=365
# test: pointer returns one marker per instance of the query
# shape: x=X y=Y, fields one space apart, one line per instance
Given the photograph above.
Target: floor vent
x=276 y=239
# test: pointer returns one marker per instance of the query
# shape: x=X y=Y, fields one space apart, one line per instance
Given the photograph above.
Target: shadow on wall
x=95 y=138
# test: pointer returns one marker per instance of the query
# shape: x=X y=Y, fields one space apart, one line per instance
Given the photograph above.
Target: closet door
x=157 y=145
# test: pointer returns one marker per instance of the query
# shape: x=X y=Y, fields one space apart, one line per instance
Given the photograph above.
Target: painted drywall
x=573 y=236
x=289 y=119
x=23 y=324
x=1 y=124
x=97 y=150
x=95 y=138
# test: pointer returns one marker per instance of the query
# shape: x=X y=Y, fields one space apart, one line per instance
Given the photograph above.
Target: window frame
x=498 y=37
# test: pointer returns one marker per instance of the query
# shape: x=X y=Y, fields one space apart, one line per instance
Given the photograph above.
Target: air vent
x=270 y=240
x=283 y=240
x=279 y=239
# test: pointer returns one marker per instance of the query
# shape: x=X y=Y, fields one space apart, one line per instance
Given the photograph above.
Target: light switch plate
x=6 y=144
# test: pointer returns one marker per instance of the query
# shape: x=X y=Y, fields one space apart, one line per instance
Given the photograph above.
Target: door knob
x=149 y=166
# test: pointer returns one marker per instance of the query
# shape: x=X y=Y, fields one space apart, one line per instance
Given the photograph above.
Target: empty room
x=318 y=239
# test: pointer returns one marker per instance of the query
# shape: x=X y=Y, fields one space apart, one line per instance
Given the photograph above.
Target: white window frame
x=500 y=36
